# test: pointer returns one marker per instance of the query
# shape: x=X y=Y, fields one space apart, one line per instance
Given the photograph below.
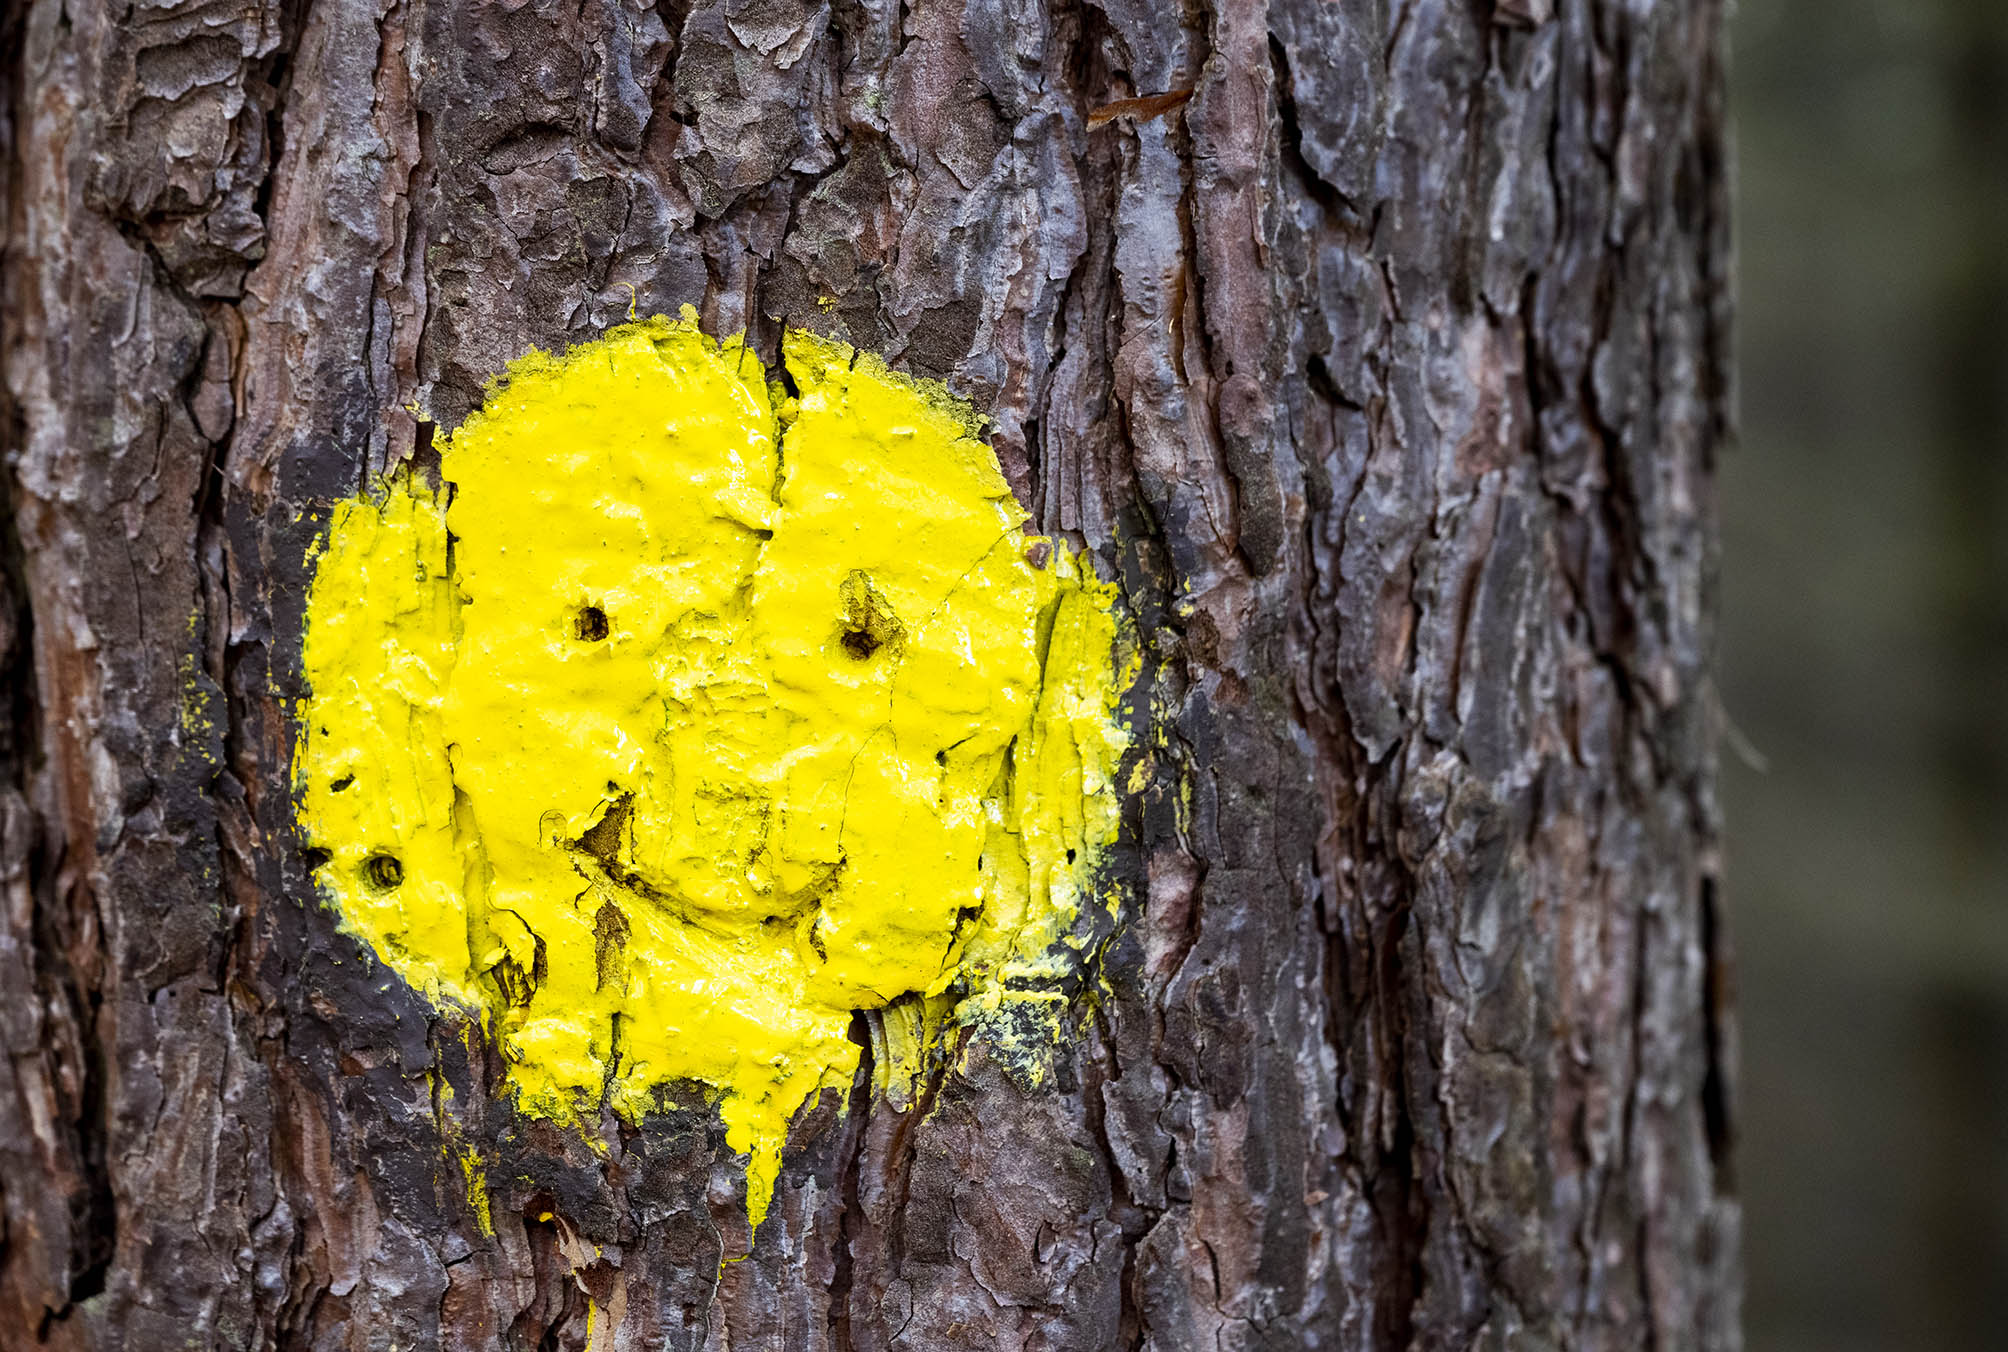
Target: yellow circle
x=688 y=718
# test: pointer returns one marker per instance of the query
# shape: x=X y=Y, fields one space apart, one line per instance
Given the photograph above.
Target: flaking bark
x=1386 y=373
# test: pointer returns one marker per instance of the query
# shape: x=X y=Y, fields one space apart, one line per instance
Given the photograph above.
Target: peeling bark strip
x=1143 y=109
x=1386 y=376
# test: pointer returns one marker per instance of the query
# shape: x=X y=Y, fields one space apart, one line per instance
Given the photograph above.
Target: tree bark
x=1386 y=373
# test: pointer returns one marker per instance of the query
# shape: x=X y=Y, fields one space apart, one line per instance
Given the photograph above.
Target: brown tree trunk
x=1386 y=373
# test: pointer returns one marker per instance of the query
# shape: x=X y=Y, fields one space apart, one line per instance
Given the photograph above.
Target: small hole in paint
x=341 y=783
x=1070 y=856
x=383 y=872
x=316 y=859
x=590 y=624
x=941 y=758
x=868 y=624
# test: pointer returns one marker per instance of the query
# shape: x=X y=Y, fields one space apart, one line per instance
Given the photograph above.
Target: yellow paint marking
x=687 y=718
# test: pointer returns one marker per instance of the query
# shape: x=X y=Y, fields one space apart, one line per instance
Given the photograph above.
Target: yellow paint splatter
x=474 y=1171
x=687 y=718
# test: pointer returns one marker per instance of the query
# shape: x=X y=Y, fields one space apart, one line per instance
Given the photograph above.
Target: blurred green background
x=1864 y=664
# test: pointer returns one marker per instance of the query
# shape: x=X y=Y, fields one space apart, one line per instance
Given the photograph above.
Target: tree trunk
x=1386 y=374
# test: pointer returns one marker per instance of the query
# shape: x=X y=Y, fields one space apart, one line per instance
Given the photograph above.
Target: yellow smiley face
x=689 y=717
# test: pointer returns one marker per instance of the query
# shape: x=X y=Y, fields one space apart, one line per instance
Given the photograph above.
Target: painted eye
x=860 y=643
x=868 y=623
x=383 y=872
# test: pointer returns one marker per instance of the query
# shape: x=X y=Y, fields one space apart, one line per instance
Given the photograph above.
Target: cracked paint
x=687 y=717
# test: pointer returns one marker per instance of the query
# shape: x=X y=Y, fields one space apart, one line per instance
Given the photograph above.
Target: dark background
x=1865 y=671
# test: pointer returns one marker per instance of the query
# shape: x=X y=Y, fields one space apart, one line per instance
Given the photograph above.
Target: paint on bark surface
x=688 y=716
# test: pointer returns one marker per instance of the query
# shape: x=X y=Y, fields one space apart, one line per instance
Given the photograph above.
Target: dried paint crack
x=627 y=741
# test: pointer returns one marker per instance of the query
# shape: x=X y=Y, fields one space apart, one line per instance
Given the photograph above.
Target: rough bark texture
x=1386 y=373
